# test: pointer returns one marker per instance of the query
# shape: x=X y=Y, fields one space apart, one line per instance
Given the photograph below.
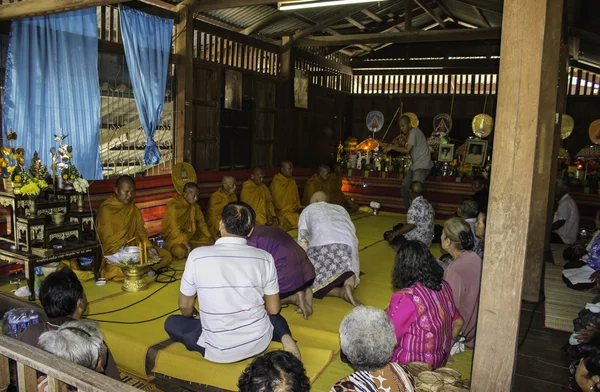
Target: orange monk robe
x=314 y=185
x=336 y=195
x=117 y=223
x=216 y=204
x=183 y=224
x=259 y=198
x=286 y=201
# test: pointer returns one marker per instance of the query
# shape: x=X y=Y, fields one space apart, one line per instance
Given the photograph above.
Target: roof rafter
x=404 y=37
x=485 y=20
x=484 y=5
x=208 y=5
x=339 y=15
x=423 y=4
x=30 y=8
x=262 y=24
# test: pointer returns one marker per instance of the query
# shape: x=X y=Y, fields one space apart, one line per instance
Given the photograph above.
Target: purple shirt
x=294 y=268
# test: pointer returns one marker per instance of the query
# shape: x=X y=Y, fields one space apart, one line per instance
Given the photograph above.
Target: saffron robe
x=117 y=223
x=314 y=185
x=336 y=196
x=183 y=224
x=216 y=204
x=259 y=198
x=286 y=200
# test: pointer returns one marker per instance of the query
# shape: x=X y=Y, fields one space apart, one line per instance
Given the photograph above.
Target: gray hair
x=469 y=208
x=367 y=338
x=77 y=341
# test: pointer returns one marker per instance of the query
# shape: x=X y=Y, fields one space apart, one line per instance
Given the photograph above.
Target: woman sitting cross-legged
x=367 y=343
x=422 y=311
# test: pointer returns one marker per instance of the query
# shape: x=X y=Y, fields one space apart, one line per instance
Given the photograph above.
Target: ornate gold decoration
x=181 y=174
x=6 y=201
x=50 y=211
x=64 y=235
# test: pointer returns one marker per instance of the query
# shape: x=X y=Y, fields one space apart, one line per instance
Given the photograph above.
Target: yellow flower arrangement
x=30 y=189
x=10 y=169
x=21 y=161
x=72 y=176
x=42 y=184
x=70 y=156
x=18 y=178
x=65 y=177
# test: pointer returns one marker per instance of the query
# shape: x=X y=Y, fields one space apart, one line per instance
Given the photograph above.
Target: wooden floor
x=540 y=364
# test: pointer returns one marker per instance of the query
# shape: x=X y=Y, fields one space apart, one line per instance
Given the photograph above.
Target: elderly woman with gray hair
x=78 y=341
x=367 y=340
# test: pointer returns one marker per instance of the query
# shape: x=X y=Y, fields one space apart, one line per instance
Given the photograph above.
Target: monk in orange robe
x=217 y=202
x=286 y=198
x=119 y=221
x=256 y=194
x=183 y=225
x=336 y=195
x=319 y=182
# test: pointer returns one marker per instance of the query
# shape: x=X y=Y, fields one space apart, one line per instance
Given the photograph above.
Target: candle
x=140 y=248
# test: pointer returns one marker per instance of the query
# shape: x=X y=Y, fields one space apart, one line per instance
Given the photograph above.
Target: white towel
x=594 y=308
x=579 y=275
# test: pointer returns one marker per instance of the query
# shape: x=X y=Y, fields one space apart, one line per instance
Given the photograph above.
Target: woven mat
x=138 y=383
x=557 y=254
x=562 y=303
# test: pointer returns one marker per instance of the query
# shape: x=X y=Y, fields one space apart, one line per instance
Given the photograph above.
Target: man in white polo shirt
x=565 y=225
x=238 y=295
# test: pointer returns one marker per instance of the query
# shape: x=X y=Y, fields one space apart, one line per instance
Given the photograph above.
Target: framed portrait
x=446 y=153
x=233 y=90
x=475 y=152
x=301 y=89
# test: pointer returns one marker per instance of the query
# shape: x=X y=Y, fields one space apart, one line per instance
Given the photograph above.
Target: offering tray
x=134 y=272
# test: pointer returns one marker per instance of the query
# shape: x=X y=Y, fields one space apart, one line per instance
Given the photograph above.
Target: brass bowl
x=58 y=218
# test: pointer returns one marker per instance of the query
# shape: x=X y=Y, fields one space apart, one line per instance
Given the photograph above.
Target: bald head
x=318 y=197
x=287 y=169
x=416 y=189
x=405 y=124
x=228 y=183
x=190 y=192
x=125 y=189
x=257 y=176
x=323 y=172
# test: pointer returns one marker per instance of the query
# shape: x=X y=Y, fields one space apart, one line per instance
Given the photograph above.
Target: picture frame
x=233 y=90
x=446 y=153
x=301 y=89
x=476 y=151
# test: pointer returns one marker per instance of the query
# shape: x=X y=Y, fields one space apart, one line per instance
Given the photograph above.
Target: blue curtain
x=147 y=42
x=52 y=84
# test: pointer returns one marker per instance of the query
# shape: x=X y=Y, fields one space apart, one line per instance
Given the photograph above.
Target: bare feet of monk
x=290 y=346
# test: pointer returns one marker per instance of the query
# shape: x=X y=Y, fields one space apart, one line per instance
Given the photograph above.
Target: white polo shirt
x=567 y=210
x=231 y=278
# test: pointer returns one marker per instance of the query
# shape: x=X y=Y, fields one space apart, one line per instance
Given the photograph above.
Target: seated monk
x=286 y=197
x=256 y=194
x=336 y=195
x=319 y=182
x=183 y=225
x=295 y=272
x=119 y=221
x=217 y=202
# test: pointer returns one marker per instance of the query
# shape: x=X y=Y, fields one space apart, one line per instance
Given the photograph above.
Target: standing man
x=419 y=154
x=238 y=296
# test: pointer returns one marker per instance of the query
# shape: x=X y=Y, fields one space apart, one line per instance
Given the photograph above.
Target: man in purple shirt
x=295 y=272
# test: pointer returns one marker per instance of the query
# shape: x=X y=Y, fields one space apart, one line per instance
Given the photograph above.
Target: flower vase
x=33 y=207
x=80 y=203
x=16 y=187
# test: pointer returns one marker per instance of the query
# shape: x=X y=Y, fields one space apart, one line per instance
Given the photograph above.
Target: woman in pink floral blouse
x=422 y=311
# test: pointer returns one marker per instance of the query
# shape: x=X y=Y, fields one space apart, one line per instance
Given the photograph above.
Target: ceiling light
x=296 y=5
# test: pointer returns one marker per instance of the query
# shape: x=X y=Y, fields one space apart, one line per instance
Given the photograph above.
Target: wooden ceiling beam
x=488 y=5
x=159 y=4
x=209 y=5
x=446 y=64
x=445 y=9
x=339 y=15
x=423 y=4
x=481 y=15
x=184 y=4
x=356 y=23
x=262 y=24
x=372 y=15
x=404 y=37
x=30 y=8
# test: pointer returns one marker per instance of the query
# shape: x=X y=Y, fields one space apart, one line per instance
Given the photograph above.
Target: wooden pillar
x=524 y=127
x=561 y=107
x=184 y=120
x=408 y=15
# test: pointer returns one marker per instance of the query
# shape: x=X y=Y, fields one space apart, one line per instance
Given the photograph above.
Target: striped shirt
x=231 y=278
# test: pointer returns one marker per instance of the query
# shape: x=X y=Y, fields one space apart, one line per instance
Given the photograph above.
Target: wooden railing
x=59 y=371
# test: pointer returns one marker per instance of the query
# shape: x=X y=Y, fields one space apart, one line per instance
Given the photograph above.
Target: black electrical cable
x=136 y=322
x=160 y=272
x=531 y=319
